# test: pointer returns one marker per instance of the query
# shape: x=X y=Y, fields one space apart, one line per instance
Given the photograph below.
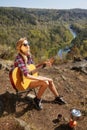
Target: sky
x=45 y=4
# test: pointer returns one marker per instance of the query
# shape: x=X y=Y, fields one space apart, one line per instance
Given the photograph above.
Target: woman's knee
x=44 y=84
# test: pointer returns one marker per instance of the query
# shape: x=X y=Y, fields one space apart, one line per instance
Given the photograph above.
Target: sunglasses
x=26 y=44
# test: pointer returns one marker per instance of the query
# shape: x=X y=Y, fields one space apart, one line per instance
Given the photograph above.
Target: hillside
x=35 y=16
x=47 y=30
x=71 y=84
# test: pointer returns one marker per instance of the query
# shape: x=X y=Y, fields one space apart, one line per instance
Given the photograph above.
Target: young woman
x=23 y=59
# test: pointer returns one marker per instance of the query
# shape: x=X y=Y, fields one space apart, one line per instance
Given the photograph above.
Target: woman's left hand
x=48 y=63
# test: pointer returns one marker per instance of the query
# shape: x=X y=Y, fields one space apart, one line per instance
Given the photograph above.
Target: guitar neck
x=42 y=65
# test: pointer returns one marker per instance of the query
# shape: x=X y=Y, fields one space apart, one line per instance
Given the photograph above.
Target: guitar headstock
x=48 y=62
x=51 y=60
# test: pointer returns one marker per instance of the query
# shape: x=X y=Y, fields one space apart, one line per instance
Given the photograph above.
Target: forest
x=46 y=29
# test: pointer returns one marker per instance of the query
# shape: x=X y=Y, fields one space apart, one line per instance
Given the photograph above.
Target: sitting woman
x=23 y=59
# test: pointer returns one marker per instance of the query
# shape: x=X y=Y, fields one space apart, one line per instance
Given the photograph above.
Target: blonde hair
x=18 y=47
x=19 y=43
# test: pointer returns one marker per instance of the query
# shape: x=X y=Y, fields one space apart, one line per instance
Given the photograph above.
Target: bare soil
x=72 y=85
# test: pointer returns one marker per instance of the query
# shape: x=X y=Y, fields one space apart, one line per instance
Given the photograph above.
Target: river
x=62 y=52
x=72 y=32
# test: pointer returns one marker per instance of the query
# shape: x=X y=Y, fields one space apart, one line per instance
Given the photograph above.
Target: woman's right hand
x=47 y=79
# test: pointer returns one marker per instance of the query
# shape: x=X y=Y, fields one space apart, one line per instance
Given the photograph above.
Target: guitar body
x=18 y=80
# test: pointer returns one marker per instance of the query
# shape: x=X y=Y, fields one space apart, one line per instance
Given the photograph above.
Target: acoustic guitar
x=19 y=81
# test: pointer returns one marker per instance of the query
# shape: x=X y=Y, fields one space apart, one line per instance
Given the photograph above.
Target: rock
x=77 y=59
x=80 y=66
x=5 y=65
x=23 y=124
x=0 y=66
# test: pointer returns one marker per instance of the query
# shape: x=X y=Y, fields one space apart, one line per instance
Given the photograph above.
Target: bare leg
x=53 y=89
x=51 y=86
x=42 y=84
